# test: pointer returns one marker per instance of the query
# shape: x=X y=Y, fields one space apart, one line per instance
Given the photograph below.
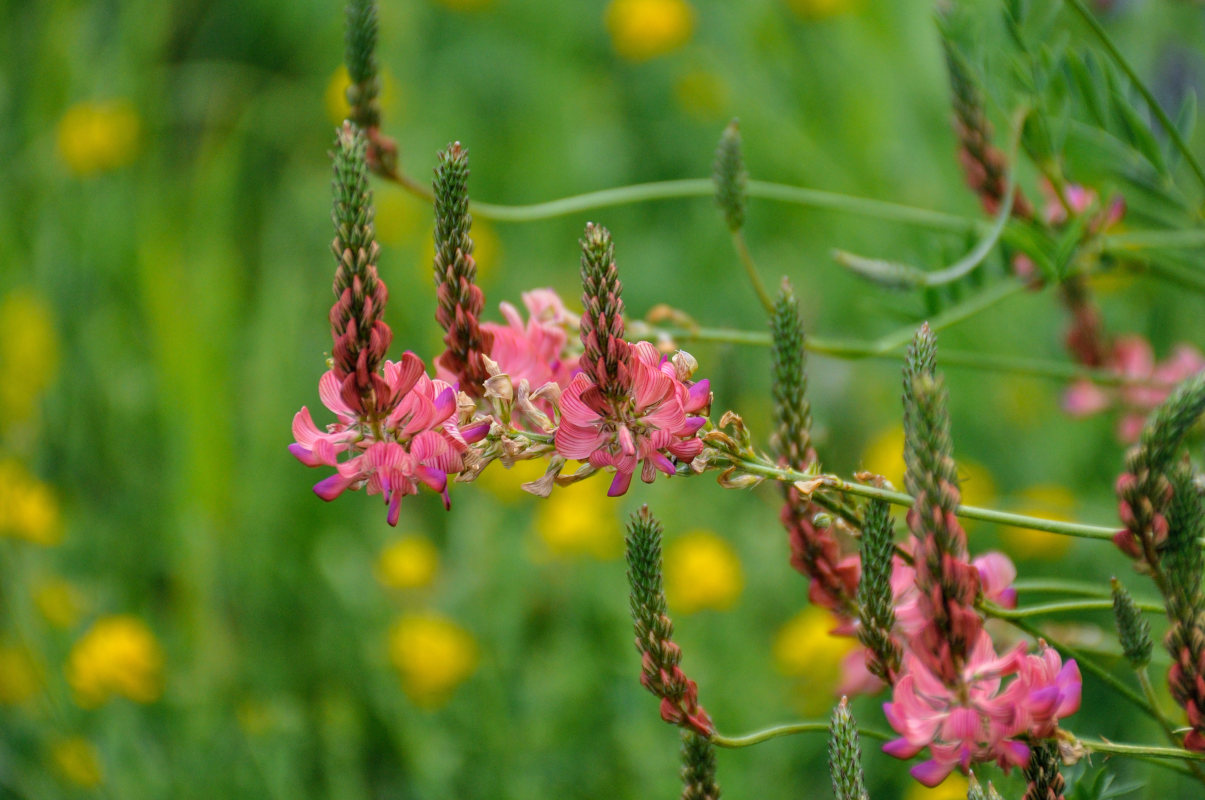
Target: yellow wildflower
x=18 y=675
x=953 y=787
x=29 y=353
x=804 y=649
x=408 y=563
x=1048 y=502
x=885 y=456
x=701 y=571
x=579 y=519
x=820 y=9
x=94 y=137
x=76 y=759
x=28 y=509
x=506 y=484
x=397 y=219
x=644 y=29
x=335 y=96
x=118 y=655
x=433 y=655
x=58 y=601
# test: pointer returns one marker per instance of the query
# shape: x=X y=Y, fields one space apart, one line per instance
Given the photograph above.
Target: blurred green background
x=182 y=618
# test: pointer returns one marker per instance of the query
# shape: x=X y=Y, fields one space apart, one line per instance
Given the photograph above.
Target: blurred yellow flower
x=644 y=29
x=19 y=678
x=76 y=759
x=433 y=655
x=398 y=218
x=885 y=455
x=804 y=649
x=506 y=484
x=335 y=96
x=408 y=563
x=58 y=601
x=98 y=136
x=701 y=571
x=579 y=519
x=819 y=9
x=117 y=656
x=952 y=788
x=28 y=508
x=1048 y=502
x=29 y=354
x=702 y=94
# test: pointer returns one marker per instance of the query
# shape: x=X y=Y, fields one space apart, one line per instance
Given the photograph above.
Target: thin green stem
x=1169 y=127
x=1086 y=662
x=1120 y=749
x=765 y=469
x=742 y=252
x=1054 y=586
x=1071 y=605
x=790 y=729
x=853 y=350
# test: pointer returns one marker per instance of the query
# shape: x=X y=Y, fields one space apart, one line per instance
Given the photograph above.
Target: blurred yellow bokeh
x=410 y=562
x=701 y=571
x=1047 y=502
x=95 y=137
x=703 y=95
x=400 y=218
x=466 y=5
x=804 y=649
x=433 y=655
x=506 y=484
x=885 y=455
x=335 y=96
x=57 y=601
x=953 y=787
x=117 y=656
x=580 y=520
x=19 y=679
x=644 y=29
x=28 y=508
x=76 y=760
x=29 y=354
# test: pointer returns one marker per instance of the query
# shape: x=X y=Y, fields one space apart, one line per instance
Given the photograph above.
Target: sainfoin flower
x=417 y=442
x=534 y=350
x=977 y=721
x=653 y=425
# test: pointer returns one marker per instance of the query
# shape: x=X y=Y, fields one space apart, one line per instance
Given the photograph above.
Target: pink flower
x=1052 y=690
x=418 y=442
x=533 y=351
x=1151 y=383
x=996 y=574
x=970 y=723
x=651 y=425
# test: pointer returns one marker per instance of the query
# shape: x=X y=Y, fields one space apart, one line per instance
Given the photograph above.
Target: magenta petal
x=304 y=455
x=901 y=748
x=620 y=484
x=476 y=432
x=699 y=395
x=395 y=508
x=433 y=478
x=330 y=488
x=931 y=773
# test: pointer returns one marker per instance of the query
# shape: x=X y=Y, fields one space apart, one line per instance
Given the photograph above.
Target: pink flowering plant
x=968 y=681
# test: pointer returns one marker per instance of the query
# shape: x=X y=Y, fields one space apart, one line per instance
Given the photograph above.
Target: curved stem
x=790 y=729
x=742 y=252
x=1121 y=749
x=1071 y=605
x=835 y=483
x=1168 y=126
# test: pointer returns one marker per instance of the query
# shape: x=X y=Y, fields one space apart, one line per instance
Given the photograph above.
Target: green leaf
x=1138 y=132
x=1089 y=88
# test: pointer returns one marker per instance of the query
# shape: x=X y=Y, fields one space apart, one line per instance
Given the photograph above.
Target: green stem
x=1168 y=126
x=742 y=251
x=853 y=350
x=1181 y=276
x=1077 y=529
x=1087 y=663
x=1061 y=587
x=1120 y=749
x=1071 y=605
x=1122 y=243
x=790 y=729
